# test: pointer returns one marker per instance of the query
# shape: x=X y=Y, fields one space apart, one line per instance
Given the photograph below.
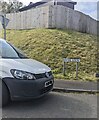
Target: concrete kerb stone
x=67 y=90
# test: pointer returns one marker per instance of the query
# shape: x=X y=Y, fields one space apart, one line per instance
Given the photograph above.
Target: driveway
x=54 y=105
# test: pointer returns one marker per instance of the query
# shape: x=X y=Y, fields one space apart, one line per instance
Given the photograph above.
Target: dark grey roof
x=31 y=6
x=58 y=1
x=43 y=2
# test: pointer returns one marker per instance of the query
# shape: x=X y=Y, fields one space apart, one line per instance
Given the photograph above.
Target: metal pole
x=64 y=68
x=77 y=70
x=5 y=26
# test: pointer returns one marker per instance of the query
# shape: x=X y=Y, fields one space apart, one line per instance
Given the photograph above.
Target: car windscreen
x=6 y=51
x=9 y=51
x=19 y=52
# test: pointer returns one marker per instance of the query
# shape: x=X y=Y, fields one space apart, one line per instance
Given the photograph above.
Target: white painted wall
x=51 y=16
x=34 y=18
x=63 y=17
x=1 y=26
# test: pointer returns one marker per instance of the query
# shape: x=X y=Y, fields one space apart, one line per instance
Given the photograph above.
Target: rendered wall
x=0 y=26
x=1 y=21
x=34 y=18
x=51 y=16
x=63 y=17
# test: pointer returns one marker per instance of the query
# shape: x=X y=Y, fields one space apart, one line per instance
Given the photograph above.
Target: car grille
x=42 y=75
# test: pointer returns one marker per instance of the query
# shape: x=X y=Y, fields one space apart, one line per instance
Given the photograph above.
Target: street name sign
x=71 y=59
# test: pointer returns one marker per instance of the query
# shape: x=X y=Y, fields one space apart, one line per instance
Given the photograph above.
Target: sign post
x=64 y=68
x=4 y=21
x=66 y=60
x=4 y=26
x=76 y=70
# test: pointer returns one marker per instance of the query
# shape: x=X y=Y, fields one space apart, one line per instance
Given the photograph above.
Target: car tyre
x=5 y=95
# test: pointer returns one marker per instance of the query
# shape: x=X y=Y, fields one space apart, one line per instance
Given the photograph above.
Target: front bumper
x=28 y=89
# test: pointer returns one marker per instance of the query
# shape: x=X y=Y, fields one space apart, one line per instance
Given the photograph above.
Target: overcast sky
x=88 y=7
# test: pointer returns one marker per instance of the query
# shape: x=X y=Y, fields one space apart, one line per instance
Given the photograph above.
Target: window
x=6 y=51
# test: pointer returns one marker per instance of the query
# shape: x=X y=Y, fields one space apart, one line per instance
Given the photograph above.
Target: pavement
x=75 y=86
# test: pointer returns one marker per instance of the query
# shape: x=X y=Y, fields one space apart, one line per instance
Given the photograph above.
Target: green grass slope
x=50 y=46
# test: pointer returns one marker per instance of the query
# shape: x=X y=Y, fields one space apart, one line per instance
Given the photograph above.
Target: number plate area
x=48 y=83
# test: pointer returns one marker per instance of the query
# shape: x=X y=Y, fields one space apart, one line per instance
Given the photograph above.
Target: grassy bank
x=50 y=46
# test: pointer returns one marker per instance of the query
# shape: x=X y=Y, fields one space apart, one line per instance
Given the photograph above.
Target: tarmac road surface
x=54 y=105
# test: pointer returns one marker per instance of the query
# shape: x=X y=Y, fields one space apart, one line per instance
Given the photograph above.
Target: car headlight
x=22 y=75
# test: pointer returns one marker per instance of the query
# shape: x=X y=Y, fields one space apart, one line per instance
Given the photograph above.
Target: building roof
x=31 y=5
x=60 y=1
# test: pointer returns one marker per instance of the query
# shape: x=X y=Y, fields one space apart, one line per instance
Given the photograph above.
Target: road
x=54 y=105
